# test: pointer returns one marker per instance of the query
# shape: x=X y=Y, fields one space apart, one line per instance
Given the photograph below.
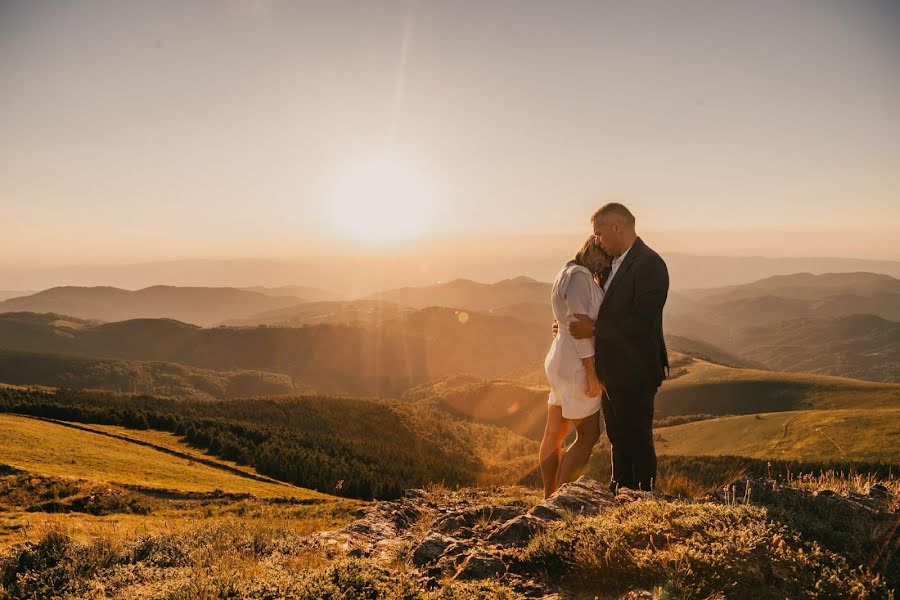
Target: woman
x=574 y=388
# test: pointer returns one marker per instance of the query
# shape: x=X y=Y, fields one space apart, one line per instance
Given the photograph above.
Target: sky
x=186 y=129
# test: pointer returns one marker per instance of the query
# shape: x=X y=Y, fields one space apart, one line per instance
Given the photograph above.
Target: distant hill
x=156 y=378
x=697 y=387
x=203 y=306
x=858 y=346
x=705 y=350
x=352 y=312
x=836 y=323
x=7 y=294
x=519 y=408
x=871 y=435
x=708 y=388
x=471 y=295
x=805 y=286
x=383 y=359
x=787 y=297
x=492 y=259
x=307 y=293
x=533 y=312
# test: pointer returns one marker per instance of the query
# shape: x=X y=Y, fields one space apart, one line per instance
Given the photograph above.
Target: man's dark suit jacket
x=631 y=352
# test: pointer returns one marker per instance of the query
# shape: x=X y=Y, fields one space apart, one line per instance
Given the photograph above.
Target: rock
x=825 y=493
x=880 y=491
x=377 y=532
x=480 y=564
x=415 y=494
x=546 y=511
x=582 y=497
x=518 y=531
x=431 y=548
x=468 y=518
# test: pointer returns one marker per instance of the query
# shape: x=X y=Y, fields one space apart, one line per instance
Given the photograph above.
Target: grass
x=228 y=558
x=779 y=545
x=706 y=387
x=55 y=450
x=167 y=440
x=851 y=435
x=688 y=550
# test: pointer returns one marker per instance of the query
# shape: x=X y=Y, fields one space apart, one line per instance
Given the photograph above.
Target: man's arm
x=651 y=288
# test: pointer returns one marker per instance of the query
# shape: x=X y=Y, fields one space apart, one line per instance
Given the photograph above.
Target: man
x=631 y=358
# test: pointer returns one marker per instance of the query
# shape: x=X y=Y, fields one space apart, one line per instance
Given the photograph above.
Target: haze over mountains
x=358 y=276
x=382 y=359
x=839 y=324
x=203 y=306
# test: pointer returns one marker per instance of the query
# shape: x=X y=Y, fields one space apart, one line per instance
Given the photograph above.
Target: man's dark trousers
x=628 y=415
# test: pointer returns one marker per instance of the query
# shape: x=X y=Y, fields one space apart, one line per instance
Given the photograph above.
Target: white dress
x=574 y=292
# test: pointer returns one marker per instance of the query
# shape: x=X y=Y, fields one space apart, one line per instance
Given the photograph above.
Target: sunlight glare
x=381 y=200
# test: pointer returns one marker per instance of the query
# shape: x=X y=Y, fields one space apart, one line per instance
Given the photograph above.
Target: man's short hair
x=614 y=208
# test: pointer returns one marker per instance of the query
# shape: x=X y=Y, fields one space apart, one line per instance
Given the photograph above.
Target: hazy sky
x=163 y=129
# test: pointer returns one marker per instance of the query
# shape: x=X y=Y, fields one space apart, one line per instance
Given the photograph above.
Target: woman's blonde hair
x=593 y=257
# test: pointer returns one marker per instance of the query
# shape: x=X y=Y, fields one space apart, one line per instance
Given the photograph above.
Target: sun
x=381 y=200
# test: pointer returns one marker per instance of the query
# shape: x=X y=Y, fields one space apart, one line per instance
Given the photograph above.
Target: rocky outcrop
x=469 y=535
x=463 y=536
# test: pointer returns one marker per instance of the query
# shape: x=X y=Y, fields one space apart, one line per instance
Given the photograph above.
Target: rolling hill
x=384 y=359
x=868 y=435
x=353 y=447
x=141 y=377
x=307 y=293
x=351 y=312
x=706 y=387
x=697 y=387
x=7 y=294
x=836 y=323
x=470 y=295
x=83 y=454
x=859 y=346
x=200 y=305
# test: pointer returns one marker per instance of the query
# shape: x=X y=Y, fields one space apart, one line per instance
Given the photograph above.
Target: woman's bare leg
x=576 y=457
x=551 y=447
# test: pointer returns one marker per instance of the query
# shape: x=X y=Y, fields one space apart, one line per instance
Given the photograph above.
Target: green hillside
x=697 y=387
x=141 y=377
x=868 y=435
x=55 y=450
x=706 y=387
x=352 y=447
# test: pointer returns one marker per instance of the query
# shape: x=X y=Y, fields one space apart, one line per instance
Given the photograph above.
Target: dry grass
x=165 y=439
x=693 y=550
x=55 y=450
x=820 y=435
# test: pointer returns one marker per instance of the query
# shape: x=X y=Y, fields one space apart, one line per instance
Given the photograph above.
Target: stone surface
x=480 y=564
x=431 y=548
x=461 y=535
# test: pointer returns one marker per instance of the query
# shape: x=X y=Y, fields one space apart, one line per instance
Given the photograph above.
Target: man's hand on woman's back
x=582 y=327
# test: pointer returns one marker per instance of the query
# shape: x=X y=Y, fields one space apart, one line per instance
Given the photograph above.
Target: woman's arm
x=593 y=387
x=581 y=299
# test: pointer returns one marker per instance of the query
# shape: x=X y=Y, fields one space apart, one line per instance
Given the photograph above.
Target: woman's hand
x=593 y=388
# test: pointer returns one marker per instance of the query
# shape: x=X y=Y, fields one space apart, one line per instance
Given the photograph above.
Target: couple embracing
x=608 y=354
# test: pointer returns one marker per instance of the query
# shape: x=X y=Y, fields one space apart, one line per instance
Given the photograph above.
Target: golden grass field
x=93 y=462
x=705 y=387
x=56 y=450
x=815 y=435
